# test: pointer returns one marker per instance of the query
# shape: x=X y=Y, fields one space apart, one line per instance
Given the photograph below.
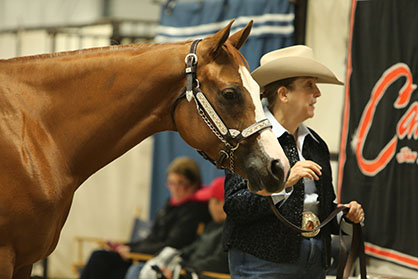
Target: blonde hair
x=188 y=168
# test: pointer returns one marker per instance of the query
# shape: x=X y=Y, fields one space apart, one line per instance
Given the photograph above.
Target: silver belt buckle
x=309 y=222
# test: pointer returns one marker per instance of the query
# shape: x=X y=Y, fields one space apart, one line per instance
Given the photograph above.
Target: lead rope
x=357 y=243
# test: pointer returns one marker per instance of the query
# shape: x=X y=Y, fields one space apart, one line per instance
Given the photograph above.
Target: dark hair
x=188 y=168
x=270 y=90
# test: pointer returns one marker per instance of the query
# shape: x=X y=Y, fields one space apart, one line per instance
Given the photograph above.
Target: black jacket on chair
x=252 y=227
x=206 y=253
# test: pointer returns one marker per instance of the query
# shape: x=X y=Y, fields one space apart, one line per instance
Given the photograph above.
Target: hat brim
x=293 y=66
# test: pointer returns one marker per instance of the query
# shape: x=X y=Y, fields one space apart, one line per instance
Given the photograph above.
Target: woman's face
x=302 y=97
x=180 y=187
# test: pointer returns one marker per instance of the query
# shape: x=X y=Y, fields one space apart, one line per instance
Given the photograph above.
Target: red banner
x=378 y=163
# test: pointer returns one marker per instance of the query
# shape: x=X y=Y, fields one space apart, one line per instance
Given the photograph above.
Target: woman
x=204 y=254
x=175 y=224
x=259 y=245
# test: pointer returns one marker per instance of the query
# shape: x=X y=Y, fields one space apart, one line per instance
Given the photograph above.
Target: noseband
x=231 y=138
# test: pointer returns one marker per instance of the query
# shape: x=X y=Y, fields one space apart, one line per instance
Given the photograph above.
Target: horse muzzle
x=268 y=180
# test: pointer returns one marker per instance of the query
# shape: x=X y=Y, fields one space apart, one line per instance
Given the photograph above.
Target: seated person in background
x=204 y=254
x=175 y=224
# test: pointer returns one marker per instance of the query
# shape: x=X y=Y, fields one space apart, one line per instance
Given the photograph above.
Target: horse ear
x=220 y=38
x=239 y=38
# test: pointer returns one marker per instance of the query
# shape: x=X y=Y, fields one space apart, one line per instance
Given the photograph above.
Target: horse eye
x=229 y=93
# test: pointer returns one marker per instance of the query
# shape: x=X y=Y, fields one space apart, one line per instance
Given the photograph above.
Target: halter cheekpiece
x=231 y=138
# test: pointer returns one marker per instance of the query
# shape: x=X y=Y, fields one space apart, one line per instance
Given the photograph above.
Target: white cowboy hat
x=294 y=61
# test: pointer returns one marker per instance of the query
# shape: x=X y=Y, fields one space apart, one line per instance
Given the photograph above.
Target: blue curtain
x=273 y=28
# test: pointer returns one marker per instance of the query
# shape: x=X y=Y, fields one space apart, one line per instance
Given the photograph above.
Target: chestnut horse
x=66 y=115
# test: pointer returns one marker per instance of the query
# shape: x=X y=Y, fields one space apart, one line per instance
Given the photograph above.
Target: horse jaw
x=278 y=164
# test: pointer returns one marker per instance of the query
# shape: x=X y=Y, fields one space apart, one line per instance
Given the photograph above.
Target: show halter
x=231 y=138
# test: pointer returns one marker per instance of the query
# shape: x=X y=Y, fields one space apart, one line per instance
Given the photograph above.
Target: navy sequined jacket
x=252 y=227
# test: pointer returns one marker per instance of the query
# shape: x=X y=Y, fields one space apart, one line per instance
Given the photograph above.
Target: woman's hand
x=167 y=272
x=308 y=169
x=123 y=251
x=355 y=213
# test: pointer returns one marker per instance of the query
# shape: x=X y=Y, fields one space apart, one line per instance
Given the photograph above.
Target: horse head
x=223 y=115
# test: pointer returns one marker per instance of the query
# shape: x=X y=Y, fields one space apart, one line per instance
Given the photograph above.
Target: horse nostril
x=277 y=169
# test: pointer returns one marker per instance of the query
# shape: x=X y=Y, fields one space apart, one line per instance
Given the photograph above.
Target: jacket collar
x=279 y=130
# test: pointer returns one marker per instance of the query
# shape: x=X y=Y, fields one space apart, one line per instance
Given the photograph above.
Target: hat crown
x=295 y=51
x=289 y=62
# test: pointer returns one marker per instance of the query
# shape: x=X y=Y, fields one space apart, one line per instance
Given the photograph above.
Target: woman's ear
x=282 y=94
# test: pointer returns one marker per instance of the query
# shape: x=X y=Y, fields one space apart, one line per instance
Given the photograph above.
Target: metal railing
x=21 y=41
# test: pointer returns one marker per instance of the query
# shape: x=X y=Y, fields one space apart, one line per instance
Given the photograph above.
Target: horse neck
x=97 y=105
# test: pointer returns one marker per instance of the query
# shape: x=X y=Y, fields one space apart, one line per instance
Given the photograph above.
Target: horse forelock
x=237 y=55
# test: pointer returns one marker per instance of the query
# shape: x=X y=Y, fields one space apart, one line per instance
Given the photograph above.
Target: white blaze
x=267 y=139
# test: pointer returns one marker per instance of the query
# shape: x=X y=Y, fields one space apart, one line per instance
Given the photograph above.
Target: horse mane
x=87 y=51
x=102 y=50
